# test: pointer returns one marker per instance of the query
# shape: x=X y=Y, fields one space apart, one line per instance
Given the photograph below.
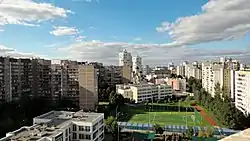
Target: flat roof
x=50 y=125
x=57 y=116
x=241 y=136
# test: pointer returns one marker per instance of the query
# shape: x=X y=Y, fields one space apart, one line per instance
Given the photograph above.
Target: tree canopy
x=220 y=105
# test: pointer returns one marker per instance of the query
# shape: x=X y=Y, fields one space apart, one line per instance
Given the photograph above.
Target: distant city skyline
x=97 y=30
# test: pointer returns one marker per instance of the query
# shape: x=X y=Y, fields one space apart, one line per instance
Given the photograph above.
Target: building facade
x=112 y=75
x=41 y=71
x=144 y=91
x=62 y=126
x=177 y=84
x=211 y=75
x=193 y=70
x=137 y=64
x=15 y=78
x=88 y=87
x=242 y=91
x=180 y=70
x=125 y=58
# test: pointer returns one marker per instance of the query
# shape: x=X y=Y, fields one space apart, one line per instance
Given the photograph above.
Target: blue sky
x=158 y=30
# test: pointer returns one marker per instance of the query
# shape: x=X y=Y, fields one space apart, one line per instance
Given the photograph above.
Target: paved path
x=205 y=116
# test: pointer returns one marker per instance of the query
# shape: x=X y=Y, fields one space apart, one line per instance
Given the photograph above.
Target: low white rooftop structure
x=61 y=126
x=144 y=91
x=241 y=136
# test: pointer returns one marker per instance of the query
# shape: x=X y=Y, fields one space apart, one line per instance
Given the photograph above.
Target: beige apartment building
x=126 y=72
x=88 y=87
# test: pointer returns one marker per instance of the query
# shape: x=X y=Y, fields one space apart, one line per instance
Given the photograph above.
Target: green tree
x=209 y=132
x=189 y=133
x=158 y=129
x=111 y=125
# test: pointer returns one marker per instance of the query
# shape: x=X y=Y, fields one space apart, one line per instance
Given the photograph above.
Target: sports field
x=166 y=118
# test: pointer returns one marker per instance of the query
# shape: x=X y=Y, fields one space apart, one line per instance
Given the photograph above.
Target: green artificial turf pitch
x=167 y=118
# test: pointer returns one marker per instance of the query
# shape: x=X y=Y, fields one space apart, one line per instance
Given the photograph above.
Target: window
x=84 y=128
x=81 y=128
x=81 y=136
x=95 y=126
x=74 y=136
x=94 y=135
x=101 y=121
x=84 y=136
x=74 y=127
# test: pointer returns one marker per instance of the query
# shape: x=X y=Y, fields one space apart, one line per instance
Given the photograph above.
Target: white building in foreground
x=61 y=126
x=241 y=136
x=242 y=91
x=144 y=91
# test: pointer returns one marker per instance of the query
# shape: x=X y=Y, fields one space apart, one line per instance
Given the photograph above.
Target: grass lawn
x=163 y=118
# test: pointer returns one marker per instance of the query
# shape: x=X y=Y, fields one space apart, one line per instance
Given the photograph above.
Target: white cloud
x=165 y=26
x=82 y=0
x=28 y=12
x=107 y=52
x=63 y=31
x=6 y=51
x=137 y=39
x=80 y=38
x=219 y=20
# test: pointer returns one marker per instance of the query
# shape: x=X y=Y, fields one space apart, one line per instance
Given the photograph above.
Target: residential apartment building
x=137 y=64
x=15 y=78
x=112 y=75
x=126 y=72
x=144 y=91
x=211 y=75
x=180 y=70
x=146 y=70
x=41 y=71
x=88 y=87
x=193 y=70
x=57 y=73
x=177 y=84
x=242 y=91
x=62 y=126
x=70 y=85
x=229 y=77
x=125 y=58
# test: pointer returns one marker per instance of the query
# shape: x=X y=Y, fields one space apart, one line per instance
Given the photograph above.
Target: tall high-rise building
x=137 y=64
x=125 y=58
x=41 y=73
x=193 y=70
x=229 y=77
x=146 y=70
x=15 y=78
x=242 y=91
x=26 y=77
x=211 y=75
x=113 y=75
x=88 y=87
x=70 y=86
x=125 y=61
x=180 y=70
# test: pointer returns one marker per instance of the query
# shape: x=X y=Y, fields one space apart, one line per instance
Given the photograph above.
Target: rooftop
x=57 y=116
x=50 y=124
x=241 y=136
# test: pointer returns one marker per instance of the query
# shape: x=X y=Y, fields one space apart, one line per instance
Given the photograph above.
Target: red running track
x=205 y=116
